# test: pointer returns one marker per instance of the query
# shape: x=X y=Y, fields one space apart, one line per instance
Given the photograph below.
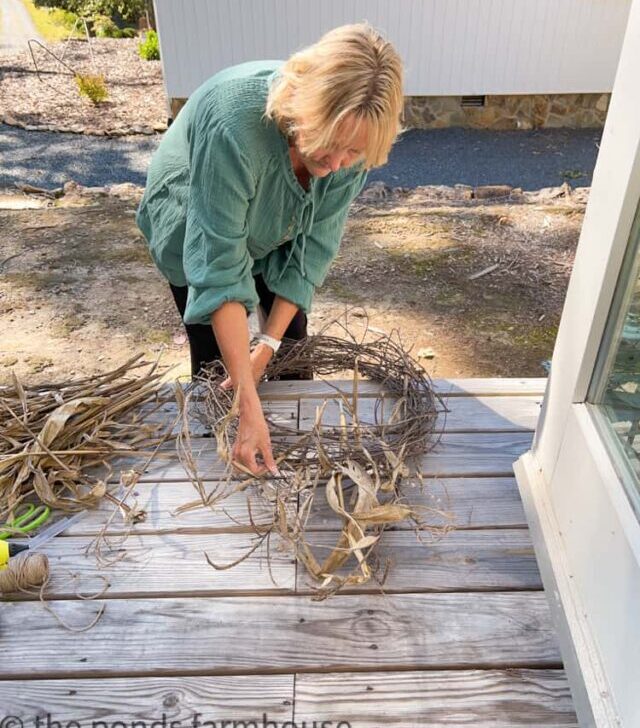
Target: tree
x=128 y=11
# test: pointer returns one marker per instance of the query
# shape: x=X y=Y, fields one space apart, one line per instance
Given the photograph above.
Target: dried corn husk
x=55 y=436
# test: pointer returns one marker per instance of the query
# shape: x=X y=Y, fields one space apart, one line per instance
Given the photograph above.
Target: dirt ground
x=475 y=287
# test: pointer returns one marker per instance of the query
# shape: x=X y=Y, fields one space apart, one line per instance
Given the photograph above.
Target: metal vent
x=472 y=101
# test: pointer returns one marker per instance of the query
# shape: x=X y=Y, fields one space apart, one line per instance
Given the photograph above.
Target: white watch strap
x=269 y=341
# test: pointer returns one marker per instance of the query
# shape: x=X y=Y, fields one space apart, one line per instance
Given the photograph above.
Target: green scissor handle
x=28 y=518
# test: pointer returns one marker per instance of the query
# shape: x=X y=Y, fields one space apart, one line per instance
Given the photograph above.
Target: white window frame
x=585 y=531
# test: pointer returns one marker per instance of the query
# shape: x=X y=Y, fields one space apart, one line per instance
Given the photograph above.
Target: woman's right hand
x=253 y=437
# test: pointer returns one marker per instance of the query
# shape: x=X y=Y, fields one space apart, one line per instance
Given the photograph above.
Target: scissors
x=28 y=518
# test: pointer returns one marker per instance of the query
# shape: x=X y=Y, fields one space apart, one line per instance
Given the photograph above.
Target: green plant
x=126 y=10
x=571 y=173
x=104 y=27
x=63 y=18
x=53 y=24
x=149 y=48
x=93 y=87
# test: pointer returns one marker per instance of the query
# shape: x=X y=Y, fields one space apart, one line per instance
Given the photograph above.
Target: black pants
x=202 y=342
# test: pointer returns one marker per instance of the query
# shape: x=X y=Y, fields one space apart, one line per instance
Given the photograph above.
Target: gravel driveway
x=16 y=28
x=527 y=159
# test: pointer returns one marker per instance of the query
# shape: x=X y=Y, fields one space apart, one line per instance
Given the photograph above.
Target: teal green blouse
x=222 y=202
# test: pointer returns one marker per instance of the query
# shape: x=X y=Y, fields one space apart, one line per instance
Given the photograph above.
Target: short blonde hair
x=351 y=70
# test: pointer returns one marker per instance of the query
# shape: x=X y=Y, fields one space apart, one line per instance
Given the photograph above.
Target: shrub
x=93 y=87
x=104 y=27
x=63 y=18
x=127 y=10
x=149 y=48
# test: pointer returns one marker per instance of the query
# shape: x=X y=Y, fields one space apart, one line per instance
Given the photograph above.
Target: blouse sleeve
x=298 y=280
x=216 y=261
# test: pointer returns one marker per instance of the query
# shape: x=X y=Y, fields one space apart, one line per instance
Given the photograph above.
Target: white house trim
x=586 y=534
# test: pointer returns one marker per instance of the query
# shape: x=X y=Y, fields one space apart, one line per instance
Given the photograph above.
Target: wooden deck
x=462 y=636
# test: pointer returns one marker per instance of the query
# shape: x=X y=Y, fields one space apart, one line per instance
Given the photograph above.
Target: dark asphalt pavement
x=527 y=159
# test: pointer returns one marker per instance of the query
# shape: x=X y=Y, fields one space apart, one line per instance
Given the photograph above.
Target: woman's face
x=343 y=154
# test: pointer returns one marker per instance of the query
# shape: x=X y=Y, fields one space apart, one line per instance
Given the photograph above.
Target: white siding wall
x=449 y=47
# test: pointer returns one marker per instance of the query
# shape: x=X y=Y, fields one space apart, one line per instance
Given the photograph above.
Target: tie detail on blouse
x=305 y=224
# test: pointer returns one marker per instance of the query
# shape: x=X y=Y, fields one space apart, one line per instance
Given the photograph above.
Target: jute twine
x=24 y=573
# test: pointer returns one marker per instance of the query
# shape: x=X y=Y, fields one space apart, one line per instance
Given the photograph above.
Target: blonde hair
x=351 y=70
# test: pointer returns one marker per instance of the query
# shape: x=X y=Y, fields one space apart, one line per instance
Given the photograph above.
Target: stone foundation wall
x=531 y=111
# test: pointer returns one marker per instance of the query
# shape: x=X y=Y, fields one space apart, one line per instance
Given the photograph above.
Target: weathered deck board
x=461 y=502
x=475 y=454
x=148 y=566
x=475 y=387
x=492 y=414
x=160 y=500
x=471 y=560
x=481 y=698
x=279 y=634
x=437 y=699
x=496 y=560
x=463 y=635
x=226 y=697
x=455 y=455
x=496 y=413
x=466 y=414
x=282 y=412
x=468 y=503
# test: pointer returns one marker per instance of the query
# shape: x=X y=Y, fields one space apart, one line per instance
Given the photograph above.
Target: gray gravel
x=47 y=159
x=527 y=159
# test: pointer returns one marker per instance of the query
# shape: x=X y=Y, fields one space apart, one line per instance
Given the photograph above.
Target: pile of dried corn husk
x=52 y=435
x=354 y=466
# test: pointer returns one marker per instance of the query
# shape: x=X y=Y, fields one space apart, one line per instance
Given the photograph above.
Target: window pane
x=616 y=383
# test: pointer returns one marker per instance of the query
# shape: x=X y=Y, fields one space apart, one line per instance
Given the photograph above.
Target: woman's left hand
x=259 y=358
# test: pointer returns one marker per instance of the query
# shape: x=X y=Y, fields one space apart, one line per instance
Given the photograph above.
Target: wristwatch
x=269 y=341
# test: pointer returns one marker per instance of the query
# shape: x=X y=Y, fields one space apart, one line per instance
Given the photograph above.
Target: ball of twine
x=24 y=573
